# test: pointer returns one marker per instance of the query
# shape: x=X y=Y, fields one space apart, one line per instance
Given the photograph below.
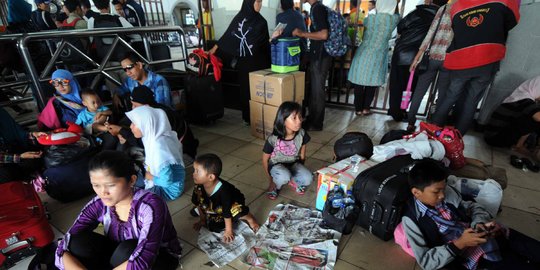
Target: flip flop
x=272 y=195
x=300 y=190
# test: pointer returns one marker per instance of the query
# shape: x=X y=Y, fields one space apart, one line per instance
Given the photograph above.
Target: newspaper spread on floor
x=291 y=239
x=221 y=253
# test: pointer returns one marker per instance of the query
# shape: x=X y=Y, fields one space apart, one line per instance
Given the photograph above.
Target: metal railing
x=57 y=41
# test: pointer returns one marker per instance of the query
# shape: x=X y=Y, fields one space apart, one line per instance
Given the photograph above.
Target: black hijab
x=247 y=34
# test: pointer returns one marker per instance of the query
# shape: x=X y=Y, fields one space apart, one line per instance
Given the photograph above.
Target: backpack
x=338 y=39
x=102 y=48
x=353 y=143
x=68 y=55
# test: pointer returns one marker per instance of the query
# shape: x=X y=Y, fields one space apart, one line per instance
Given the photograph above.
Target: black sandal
x=516 y=162
x=530 y=165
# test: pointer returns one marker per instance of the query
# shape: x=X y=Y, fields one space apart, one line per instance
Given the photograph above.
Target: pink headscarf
x=530 y=89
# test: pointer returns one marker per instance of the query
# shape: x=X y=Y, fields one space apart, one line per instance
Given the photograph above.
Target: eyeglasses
x=128 y=67
x=56 y=83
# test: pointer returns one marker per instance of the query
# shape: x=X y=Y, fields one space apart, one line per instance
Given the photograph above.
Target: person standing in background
x=370 y=65
x=371 y=8
x=133 y=12
x=42 y=15
x=247 y=40
x=87 y=10
x=411 y=32
x=320 y=63
x=480 y=33
x=293 y=19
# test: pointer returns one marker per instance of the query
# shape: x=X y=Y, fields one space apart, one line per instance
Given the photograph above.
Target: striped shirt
x=443 y=37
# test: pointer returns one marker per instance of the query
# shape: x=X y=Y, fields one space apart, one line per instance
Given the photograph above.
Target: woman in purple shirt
x=138 y=231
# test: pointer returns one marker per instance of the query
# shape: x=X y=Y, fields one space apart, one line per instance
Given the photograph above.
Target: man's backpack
x=338 y=40
x=102 y=46
x=68 y=55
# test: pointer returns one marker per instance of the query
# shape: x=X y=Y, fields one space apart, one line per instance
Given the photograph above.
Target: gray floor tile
x=249 y=151
x=366 y=251
x=522 y=199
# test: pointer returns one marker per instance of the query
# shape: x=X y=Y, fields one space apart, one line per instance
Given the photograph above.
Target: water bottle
x=337 y=200
x=349 y=200
x=354 y=163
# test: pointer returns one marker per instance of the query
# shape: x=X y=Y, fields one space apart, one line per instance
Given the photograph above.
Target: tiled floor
x=241 y=154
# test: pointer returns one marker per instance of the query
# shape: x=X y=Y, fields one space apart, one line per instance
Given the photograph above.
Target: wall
x=522 y=60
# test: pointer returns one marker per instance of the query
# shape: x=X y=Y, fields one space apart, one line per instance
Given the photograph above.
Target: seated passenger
x=516 y=118
x=137 y=225
x=138 y=75
x=65 y=106
x=445 y=231
x=18 y=160
x=219 y=202
x=165 y=171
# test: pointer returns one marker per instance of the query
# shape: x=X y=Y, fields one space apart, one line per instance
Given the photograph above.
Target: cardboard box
x=339 y=173
x=274 y=88
x=262 y=119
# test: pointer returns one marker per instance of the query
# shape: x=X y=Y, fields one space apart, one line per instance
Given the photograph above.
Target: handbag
x=406 y=97
x=452 y=141
x=423 y=64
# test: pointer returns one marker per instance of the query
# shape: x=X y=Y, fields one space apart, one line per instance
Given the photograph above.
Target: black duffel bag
x=353 y=143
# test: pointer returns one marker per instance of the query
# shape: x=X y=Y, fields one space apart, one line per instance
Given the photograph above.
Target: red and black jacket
x=480 y=31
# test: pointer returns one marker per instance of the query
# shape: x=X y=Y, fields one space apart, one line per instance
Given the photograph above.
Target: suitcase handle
x=15 y=246
x=376 y=213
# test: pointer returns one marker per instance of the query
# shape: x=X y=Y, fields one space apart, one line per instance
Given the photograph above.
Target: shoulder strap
x=436 y=29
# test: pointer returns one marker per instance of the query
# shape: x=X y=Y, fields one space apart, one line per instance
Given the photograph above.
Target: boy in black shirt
x=219 y=202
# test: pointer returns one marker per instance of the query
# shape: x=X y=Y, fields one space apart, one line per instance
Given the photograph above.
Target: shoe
x=300 y=190
x=530 y=165
x=516 y=162
x=411 y=128
x=194 y=212
x=359 y=113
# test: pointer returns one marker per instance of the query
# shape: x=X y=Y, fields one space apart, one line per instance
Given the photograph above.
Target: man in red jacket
x=480 y=31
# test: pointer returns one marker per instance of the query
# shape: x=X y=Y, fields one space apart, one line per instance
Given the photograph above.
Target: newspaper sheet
x=291 y=239
x=221 y=253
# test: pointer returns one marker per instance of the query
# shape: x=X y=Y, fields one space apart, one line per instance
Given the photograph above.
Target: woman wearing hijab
x=18 y=160
x=67 y=102
x=247 y=40
x=370 y=65
x=517 y=118
x=165 y=171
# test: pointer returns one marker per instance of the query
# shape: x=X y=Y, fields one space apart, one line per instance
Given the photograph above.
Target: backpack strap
x=72 y=24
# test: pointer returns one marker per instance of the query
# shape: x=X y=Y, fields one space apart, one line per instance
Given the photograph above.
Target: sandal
x=359 y=113
x=516 y=162
x=272 y=195
x=300 y=190
x=530 y=165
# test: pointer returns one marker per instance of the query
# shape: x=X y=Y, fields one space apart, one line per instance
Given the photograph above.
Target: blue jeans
x=283 y=173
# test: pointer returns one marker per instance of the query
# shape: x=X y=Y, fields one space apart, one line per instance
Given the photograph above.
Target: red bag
x=452 y=141
x=23 y=222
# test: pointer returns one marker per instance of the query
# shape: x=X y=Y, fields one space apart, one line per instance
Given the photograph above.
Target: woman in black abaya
x=247 y=41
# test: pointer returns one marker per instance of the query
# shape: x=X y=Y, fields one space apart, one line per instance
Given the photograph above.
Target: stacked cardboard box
x=268 y=90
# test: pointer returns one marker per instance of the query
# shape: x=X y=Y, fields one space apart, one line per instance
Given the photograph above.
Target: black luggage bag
x=353 y=143
x=204 y=99
x=381 y=193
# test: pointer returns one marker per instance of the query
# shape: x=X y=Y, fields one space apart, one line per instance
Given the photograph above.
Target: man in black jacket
x=411 y=32
x=42 y=15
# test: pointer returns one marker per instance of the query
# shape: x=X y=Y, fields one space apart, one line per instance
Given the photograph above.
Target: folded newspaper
x=291 y=239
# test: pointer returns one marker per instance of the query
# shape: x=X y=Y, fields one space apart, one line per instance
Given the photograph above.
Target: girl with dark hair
x=138 y=229
x=284 y=152
x=247 y=41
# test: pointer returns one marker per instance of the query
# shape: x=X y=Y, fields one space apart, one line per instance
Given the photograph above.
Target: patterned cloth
x=370 y=64
x=443 y=37
x=452 y=229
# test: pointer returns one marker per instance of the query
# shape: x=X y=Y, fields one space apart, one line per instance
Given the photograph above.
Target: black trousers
x=319 y=69
x=399 y=76
x=363 y=96
x=96 y=251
